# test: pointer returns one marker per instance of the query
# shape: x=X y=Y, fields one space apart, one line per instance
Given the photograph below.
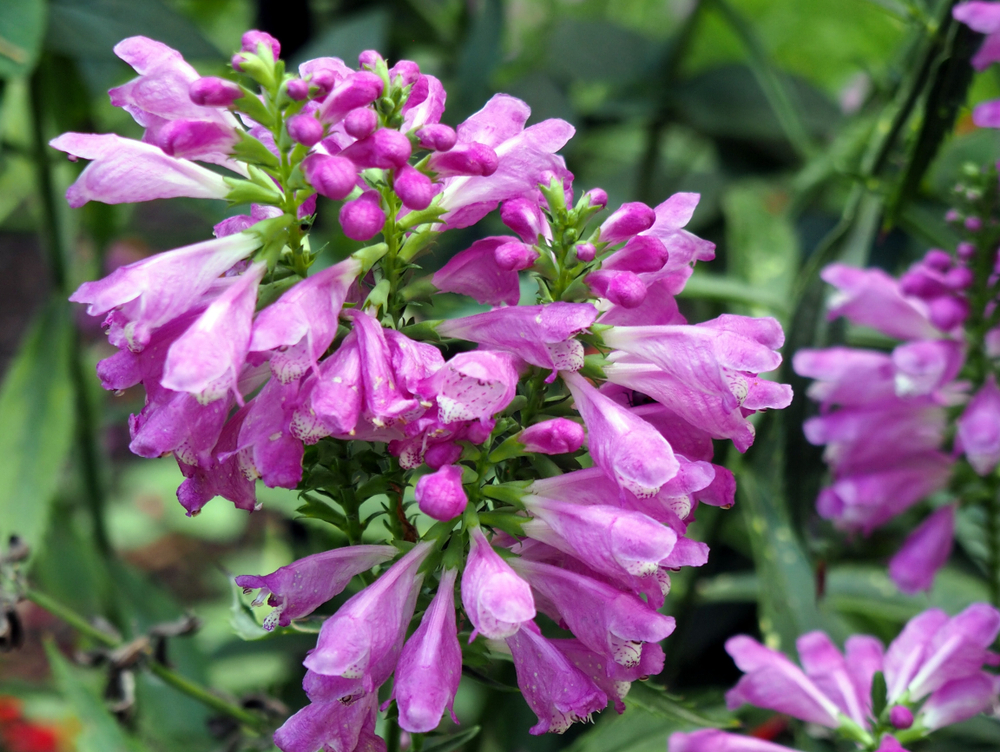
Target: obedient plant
x=901 y=426
x=931 y=676
x=556 y=450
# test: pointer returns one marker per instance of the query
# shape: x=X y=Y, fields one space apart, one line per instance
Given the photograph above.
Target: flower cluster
x=259 y=361
x=931 y=676
x=893 y=423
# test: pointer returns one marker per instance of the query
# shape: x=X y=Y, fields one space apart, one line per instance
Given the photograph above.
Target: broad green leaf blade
x=99 y=731
x=36 y=425
x=22 y=27
x=656 y=701
x=452 y=741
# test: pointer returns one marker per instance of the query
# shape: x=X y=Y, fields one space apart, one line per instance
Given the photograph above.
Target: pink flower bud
x=297 y=89
x=406 y=71
x=305 y=129
x=195 y=138
x=413 y=187
x=959 y=278
x=630 y=219
x=214 y=92
x=369 y=59
x=437 y=137
x=384 y=149
x=965 y=251
x=438 y=455
x=621 y=288
x=361 y=122
x=643 y=253
x=973 y=224
x=948 y=312
x=362 y=218
x=440 y=495
x=333 y=177
x=901 y=717
x=952 y=215
x=524 y=217
x=358 y=90
x=253 y=38
x=598 y=197
x=586 y=252
x=465 y=159
x=515 y=256
x=556 y=436
x=322 y=81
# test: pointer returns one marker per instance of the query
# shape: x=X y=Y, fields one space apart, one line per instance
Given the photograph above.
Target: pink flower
x=221 y=475
x=472 y=385
x=476 y=273
x=926 y=550
x=556 y=436
x=558 y=692
x=540 y=334
x=612 y=678
x=871 y=297
x=440 y=494
x=267 y=447
x=124 y=171
x=298 y=589
x=979 y=429
x=430 y=665
x=300 y=326
x=496 y=600
x=983 y=17
x=623 y=445
x=364 y=638
x=384 y=398
x=345 y=725
x=711 y=740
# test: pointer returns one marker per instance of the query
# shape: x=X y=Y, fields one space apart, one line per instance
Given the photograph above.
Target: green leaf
x=99 y=731
x=241 y=617
x=91 y=28
x=320 y=510
x=36 y=425
x=655 y=700
x=22 y=27
x=879 y=694
x=730 y=289
x=451 y=741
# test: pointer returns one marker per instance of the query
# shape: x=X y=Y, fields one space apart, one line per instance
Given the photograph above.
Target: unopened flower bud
x=385 y=148
x=901 y=717
x=358 y=90
x=630 y=219
x=194 y=138
x=414 y=189
x=965 y=251
x=586 y=252
x=369 y=59
x=437 y=137
x=947 y=312
x=465 y=159
x=938 y=259
x=297 y=89
x=643 y=253
x=439 y=455
x=211 y=91
x=253 y=39
x=440 y=494
x=952 y=215
x=515 y=256
x=524 y=217
x=598 y=197
x=959 y=278
x=305 y=129
x=362 y=218
x=973 y=224
x=361 y=122
x=620 y=287
x=406 y=71
x=557 y=436
x=333 y=177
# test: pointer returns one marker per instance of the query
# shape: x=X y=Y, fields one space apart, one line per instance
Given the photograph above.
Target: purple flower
x=540 y=334
x=342 y=724
x=211 y=91
x=643 y=253
x=207 y=358
x=253 y=39
x=558 y=692
x=205 y=480
x=476 y=273
x=384 y=149
x=611 y=622
x=356 y=89
x=305 y=129
x=414 y=189
x=267 y=448
x=440 y=494
x=333 y=177
x=628 y=220
x=362 y=219
x=516 y=256
x=331 y=400
x=926 y=550
x=525 y=217
x=298 y=589
x=424 y=108
x=612 y=679
x=959 y=700
x=364 y=638
x=430 y=665
x=361 y=122
x=712 y=740
x=622 y=288
x=300 y=326
x=124 y=171
x=472 y=385
x=496 y=600
x=979 y=429
x=623 y=445
x=384 y=398
x=436 y=137
x=683 y=248
x=556 y=436
x=983 y=17
x=470 y=159
x=525 y=156
x=870 y=297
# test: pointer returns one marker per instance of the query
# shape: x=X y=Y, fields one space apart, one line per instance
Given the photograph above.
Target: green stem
x=53 y=235
x=175 y=680
x=392 y=735
x=993 y=540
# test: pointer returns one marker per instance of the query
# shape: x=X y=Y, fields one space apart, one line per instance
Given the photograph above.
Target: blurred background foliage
x=814 y=130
